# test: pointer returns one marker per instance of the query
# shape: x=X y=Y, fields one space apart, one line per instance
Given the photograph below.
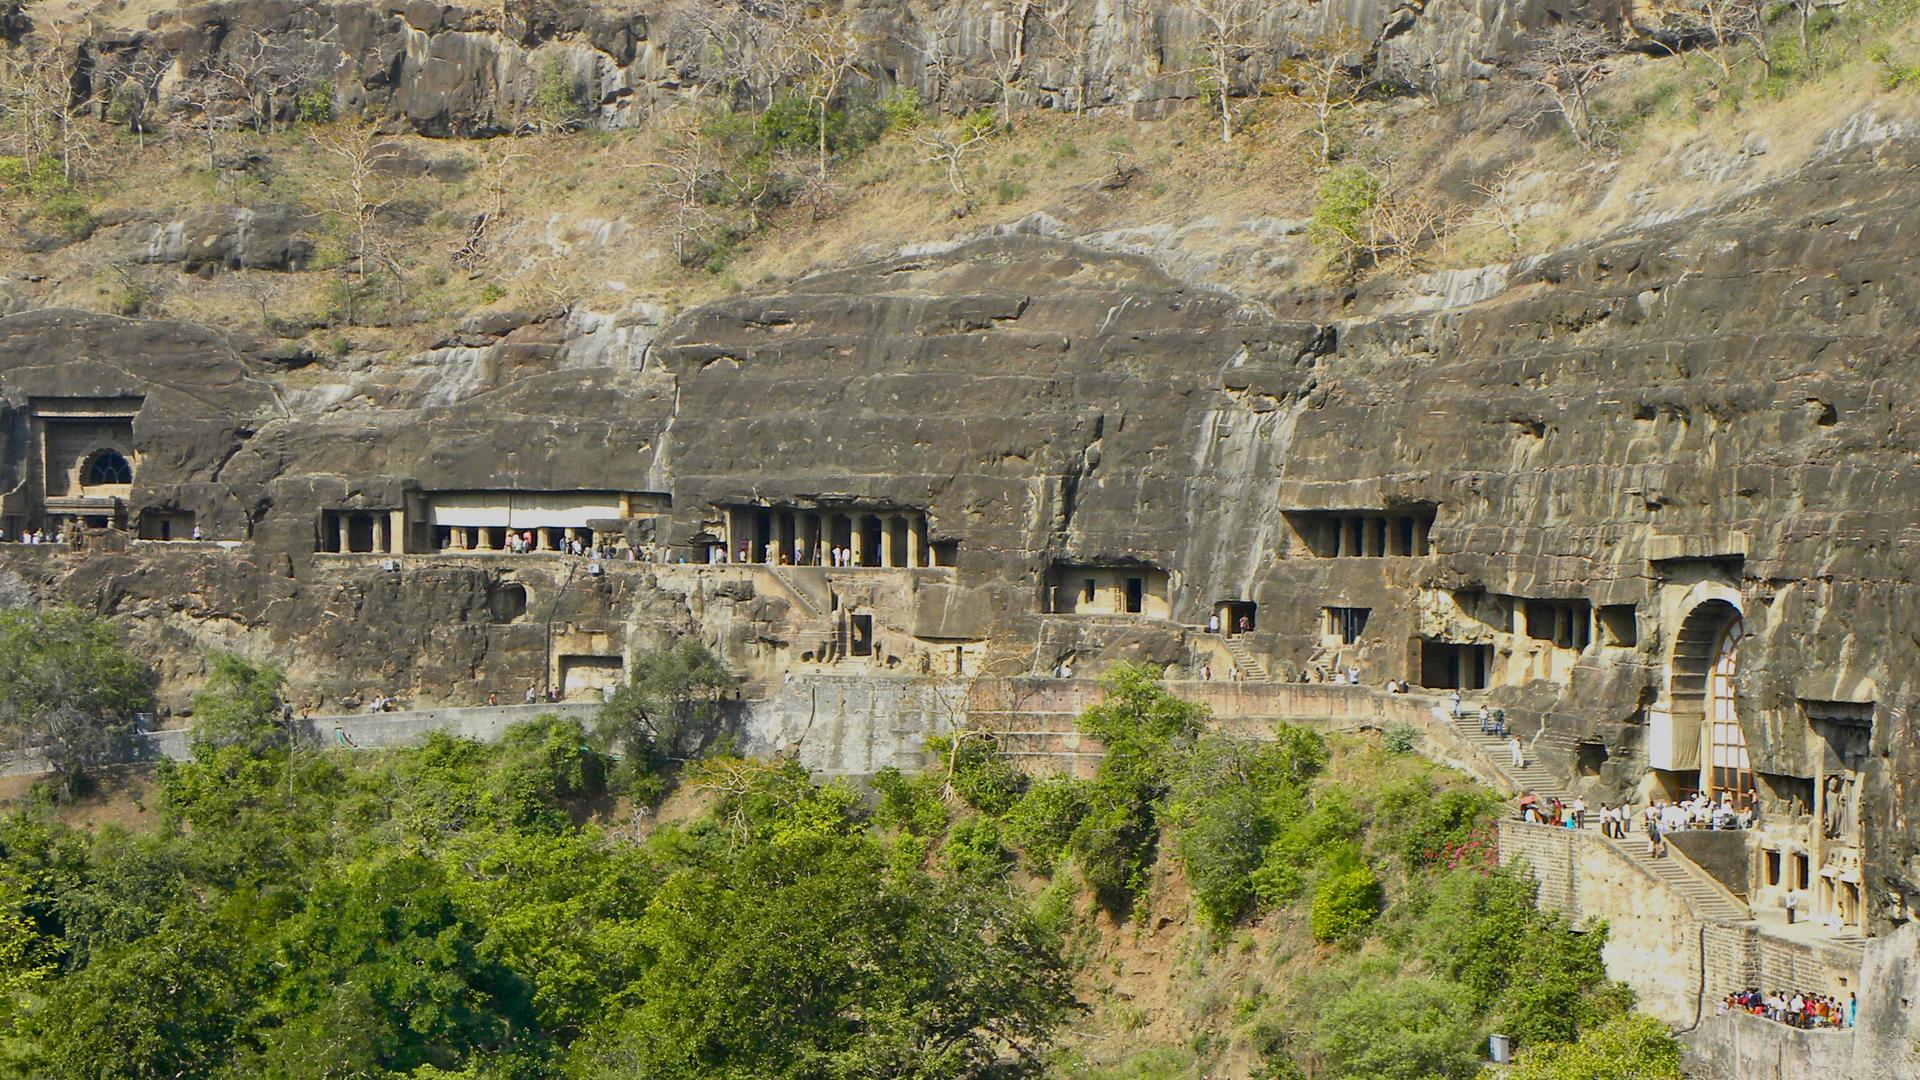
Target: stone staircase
x=1532 y=776
x=1679 y=875
x=1249 y=665
x=813 y=606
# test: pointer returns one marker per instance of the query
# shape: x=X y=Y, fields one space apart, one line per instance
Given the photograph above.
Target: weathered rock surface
x=443 y=69
x=1719 y=403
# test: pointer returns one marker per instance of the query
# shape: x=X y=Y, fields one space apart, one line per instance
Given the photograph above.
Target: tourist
x=1206 y=672
x=532 y=695
x=1518 y=753
x=1579 y=809
x=1353 y=675
x=1792 y=903
x=1853 y=1008
x=1486 y=720
x=1653 y=831
x=1246 y=624
x=493 y=697
x=1213 y=623
x=197 y=534
x=1456 y=704
x=1529 y=804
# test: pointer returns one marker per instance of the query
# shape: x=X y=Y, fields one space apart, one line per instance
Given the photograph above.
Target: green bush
x=313 y=105
x=1400 y=738
x=1405 y=1028
x=1345 y=905
x=973 y=850
x=1625 y=1047
x=981 y=775
x=1338 y=226
x=901 y=108
x=910 y=803
x=1043 y=821
x=558 y=99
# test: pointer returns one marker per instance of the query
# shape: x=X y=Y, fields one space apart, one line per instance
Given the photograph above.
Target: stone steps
x=1703 y=896
x=1250 y=666
x=1532 y=776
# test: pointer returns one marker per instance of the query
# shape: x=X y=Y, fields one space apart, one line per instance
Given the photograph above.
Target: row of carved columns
x=811 y=538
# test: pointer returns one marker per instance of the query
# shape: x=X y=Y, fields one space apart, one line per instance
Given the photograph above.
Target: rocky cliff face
x=1712 y=408
x=442 y=69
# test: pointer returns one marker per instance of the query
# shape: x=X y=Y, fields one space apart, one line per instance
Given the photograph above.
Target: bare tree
x=1232 y=33
x=1070 y=30
x=1501 y=206
x=257 y=70
x=949 y=147
x=1720 y=27
x=39 y=105
x=1564 y=63
x=355 y=195
x=495 y=166
x=936 y=52
x=832 y=51
x=1322 y=74
x=681 y=170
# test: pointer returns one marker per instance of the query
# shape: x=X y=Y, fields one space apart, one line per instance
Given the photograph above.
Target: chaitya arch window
x=108 y=467
x=1729 y=769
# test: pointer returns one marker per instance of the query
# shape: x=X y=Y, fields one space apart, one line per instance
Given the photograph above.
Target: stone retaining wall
x=1741 y=1046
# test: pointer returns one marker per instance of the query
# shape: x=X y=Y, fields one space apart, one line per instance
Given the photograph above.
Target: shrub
x=901 y=109
x=1401 y=738
x=1042 y=822
x=910 y=803
x=313 y=105
x=973 y=850
x=1338 y=226
x=981 y=775
x=558 y=99
x=1345 y=905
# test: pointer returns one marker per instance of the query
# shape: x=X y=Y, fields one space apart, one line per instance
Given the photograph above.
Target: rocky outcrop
x=442 y=69
x=1713 y=406
x=272 y=236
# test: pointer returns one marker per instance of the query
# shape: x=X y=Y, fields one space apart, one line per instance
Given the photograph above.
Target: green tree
x=1142 y=727
x=1043 y=821
x=671 y=707
x=382 y=971
x=69 y=687
x=1405 y=1028
x=1632 y=1047
x=164 y=1006
x=238 y=706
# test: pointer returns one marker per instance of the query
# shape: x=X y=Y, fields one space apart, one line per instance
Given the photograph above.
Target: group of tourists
x=1616 y=820
x=779 y=556
x=1571 y=815
x=1795 y=1009
x=38 y=536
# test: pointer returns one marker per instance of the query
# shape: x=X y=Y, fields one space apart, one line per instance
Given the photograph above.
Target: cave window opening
x=1619 y=626
x=860 y=628
x=108 y=467
x=1347 y=623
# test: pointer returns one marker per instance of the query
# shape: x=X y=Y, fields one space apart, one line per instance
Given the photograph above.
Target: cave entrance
x=581 y=676
x=1448 y=665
